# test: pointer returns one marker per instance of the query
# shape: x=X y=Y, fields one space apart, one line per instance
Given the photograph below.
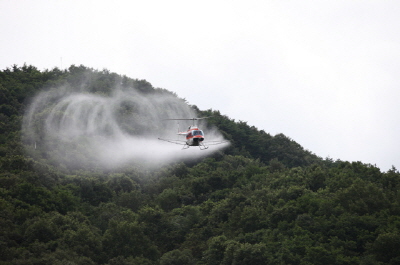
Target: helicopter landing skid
x=203 y=147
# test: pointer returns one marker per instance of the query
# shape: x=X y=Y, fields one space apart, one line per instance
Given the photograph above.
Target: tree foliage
x=263 y=200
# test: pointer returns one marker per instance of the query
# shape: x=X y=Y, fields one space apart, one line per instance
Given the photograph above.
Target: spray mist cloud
x=79 y=129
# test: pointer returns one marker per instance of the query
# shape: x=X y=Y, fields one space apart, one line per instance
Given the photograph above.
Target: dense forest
x=262 y=200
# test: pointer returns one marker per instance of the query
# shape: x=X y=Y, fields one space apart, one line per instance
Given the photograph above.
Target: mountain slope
x=263 y=200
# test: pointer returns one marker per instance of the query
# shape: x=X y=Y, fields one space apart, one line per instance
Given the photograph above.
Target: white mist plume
x=82 y=129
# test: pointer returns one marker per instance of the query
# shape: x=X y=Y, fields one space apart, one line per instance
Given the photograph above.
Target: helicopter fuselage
x=194 y=136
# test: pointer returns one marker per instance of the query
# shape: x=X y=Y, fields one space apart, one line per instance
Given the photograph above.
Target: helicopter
x=194 y=136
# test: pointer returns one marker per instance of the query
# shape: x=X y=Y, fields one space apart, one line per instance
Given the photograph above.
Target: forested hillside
x=262 y=200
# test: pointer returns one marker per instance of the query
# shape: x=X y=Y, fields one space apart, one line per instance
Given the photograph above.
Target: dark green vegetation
x=264 y=200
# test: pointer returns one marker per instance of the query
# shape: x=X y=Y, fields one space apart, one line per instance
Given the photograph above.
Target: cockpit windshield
x=199 y=132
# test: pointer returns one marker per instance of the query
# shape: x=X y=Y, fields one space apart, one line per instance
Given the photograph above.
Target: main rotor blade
x=192 y=119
